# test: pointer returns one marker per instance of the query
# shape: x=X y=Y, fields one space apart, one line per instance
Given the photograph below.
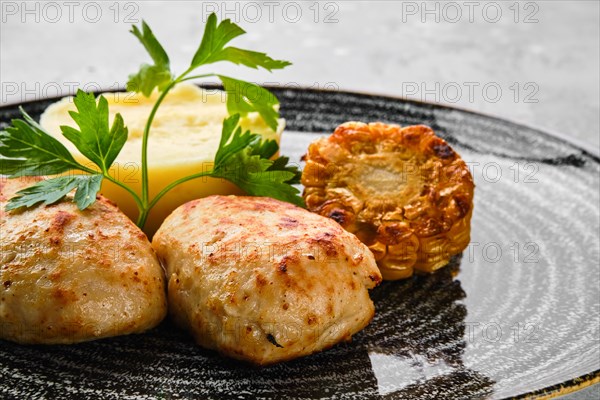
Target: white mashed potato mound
x=184 y=138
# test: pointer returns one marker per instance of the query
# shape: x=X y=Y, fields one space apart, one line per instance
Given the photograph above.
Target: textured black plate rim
x=587 y=148
x=569 y=386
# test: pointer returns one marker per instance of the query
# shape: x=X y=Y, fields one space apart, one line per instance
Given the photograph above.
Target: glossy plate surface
x=517 y=314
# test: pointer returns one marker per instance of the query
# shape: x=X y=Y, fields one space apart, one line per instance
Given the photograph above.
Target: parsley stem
x=144 y=204
x=135 y=196
x=141 y=221
x=189 y=78
x=145 y=196
x=144 y=211
x=170 y=186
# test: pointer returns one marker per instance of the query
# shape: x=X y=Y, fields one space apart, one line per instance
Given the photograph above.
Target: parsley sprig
x=242 y=157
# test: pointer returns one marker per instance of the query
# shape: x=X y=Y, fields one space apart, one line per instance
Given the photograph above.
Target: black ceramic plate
x=517 y=314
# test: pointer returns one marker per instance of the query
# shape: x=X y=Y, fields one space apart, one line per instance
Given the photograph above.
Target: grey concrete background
x=535 y=62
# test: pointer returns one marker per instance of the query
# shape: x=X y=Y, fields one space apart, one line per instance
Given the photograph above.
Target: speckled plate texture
x=516 y=315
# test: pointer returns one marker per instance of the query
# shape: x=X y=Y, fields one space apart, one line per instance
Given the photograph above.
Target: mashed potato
x=184 y=137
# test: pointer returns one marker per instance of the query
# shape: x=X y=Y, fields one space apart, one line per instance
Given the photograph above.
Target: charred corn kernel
x=378 y=250
x=404 y=192
x=394 y=270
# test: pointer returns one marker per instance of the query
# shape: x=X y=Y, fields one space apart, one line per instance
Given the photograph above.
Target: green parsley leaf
x=281 y=163
x=150 y=76
x=252 y=59
x=245 y=97
x=212 y=48
x=214 y=39
x=242 y=158
x=52 y=190
x=95 y=140
x=154 y=48
x=27 y=150
x=267 y=149
x=239 y=160
x=228 y=146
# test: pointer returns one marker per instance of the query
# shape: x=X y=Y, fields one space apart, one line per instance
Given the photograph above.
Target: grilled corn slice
x=404 y=192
